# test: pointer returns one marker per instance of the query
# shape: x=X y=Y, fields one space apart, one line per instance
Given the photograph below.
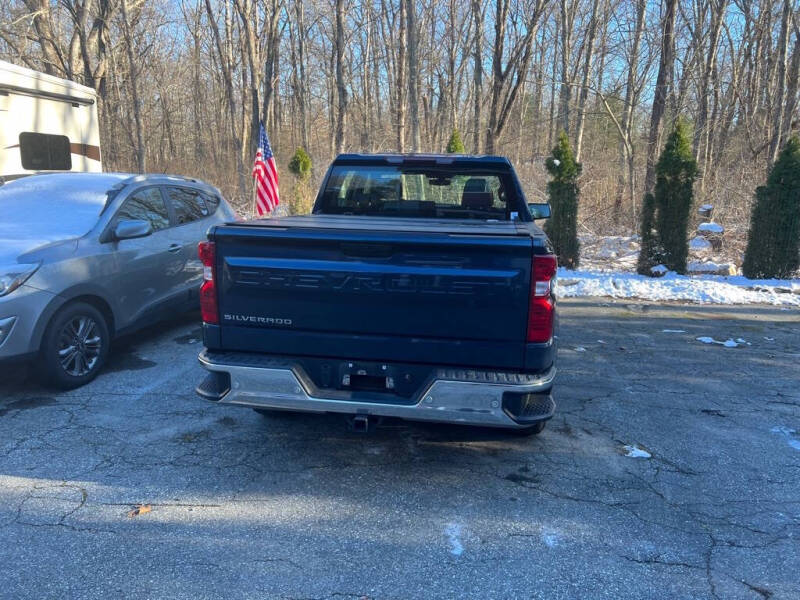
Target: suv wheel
x=75 y=346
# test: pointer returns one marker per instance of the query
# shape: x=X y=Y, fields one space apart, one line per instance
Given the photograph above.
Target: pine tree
x=773 y=245
x=455 y=145
x=563 y=192
x=649 y=253
x=675 y=174
x=300 y=166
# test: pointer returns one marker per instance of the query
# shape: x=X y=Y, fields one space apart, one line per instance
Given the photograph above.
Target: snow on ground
x=608 y=264
x=703 y=289
x=710 y=227
x=729 y=343
x=634 y=451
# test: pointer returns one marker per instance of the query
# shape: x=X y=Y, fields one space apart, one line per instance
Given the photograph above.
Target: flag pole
x=254 y=212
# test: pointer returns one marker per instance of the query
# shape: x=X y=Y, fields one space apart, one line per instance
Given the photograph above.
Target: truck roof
x=473 y=160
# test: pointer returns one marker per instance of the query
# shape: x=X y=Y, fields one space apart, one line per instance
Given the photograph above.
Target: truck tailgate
x=447 y=297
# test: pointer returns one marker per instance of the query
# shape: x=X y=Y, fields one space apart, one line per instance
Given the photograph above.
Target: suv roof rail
x=148 y=176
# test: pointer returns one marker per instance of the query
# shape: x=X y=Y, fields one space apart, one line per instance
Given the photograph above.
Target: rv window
x=44 y=152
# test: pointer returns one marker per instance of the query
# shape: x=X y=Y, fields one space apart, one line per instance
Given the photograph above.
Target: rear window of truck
x=414 y=192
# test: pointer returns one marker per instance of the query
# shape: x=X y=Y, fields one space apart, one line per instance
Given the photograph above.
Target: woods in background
x=183 y=84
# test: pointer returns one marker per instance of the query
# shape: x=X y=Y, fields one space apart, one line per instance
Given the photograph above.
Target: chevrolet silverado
x=420 y=287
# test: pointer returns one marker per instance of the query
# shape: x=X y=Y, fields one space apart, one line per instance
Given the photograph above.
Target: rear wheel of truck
x=75 y=345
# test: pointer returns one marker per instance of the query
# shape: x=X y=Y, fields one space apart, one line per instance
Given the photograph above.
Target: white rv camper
x=46 y=124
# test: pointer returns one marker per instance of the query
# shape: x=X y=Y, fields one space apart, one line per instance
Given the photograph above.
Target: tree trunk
x=778 y=114
x=247 y=16
x=626 y=143
x=565 y=94
x=301 y=59
x=228 y=82
x=701 y=129
x=400 y=83
x=663 y=83
x=413 y=72
x=587 y=67
x=477 y=58
x=507 y=79
x=134 y=88
x=341 y=89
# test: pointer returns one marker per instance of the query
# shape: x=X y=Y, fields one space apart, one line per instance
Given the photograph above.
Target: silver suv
x=85 y=257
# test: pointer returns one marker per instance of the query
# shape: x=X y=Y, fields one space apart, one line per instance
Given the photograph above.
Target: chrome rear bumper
x=454 y=395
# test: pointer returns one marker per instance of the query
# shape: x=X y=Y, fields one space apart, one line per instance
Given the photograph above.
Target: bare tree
x=134 y=87
x=587 y=67
x=663 y=83
x=413 y=72
x=477 y=59
x=507 y=78
x=225 y=62
x=341 y=87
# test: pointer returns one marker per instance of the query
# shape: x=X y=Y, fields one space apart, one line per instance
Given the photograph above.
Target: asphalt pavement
x=671 y=470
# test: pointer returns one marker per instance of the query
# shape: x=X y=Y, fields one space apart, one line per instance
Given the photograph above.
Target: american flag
x=265 y=174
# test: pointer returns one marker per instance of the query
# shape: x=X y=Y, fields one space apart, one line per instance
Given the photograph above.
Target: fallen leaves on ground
x=140 y=509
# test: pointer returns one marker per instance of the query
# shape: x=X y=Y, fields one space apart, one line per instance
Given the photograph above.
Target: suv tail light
x=208 y=291
x=540 y=311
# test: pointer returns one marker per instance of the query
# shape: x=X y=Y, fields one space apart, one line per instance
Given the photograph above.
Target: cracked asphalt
x=245 y=506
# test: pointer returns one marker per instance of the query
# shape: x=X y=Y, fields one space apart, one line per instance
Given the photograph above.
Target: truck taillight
x=208 y=291
x=540 y=310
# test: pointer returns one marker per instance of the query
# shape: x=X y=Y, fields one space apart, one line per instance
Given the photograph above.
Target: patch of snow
x=788 y=433
x=711 y=227
x=673 y=331
x=453 y=533
x=699 y=244
x=783 y=430
x=636 y=452
x=697 y=267
x=769 y=339
x=556 y=162
x=580 y=349
x=703 y=289
x=550 y=539
x=729 y=343
x=659 y=269
x=707 y=207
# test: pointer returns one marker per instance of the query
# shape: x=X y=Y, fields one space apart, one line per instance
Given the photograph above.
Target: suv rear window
x=414 y=192
x=187 y=204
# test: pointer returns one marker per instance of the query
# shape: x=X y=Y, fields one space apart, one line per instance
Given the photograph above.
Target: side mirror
x=539 y=210
x=133 y=228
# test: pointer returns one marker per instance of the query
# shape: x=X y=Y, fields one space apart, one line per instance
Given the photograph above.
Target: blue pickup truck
x=420 y=287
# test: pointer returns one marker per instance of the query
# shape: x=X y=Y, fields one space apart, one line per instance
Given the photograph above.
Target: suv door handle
x=174 y=247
